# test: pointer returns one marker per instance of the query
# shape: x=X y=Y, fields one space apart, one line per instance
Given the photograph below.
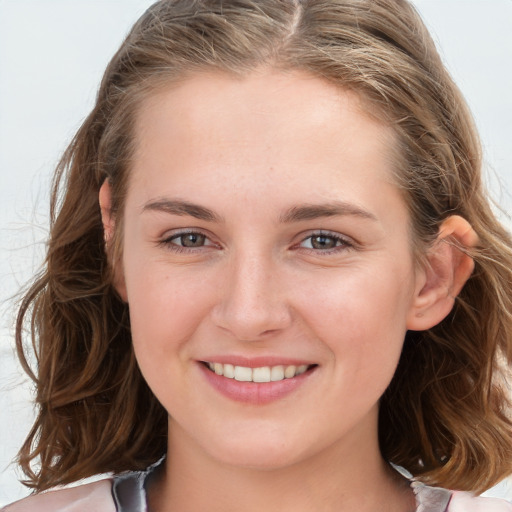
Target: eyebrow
x=178 y=207
x=332 y=209
x=295 y=214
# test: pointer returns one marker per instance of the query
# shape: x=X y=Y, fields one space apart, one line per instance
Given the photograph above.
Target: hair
x=445 y=416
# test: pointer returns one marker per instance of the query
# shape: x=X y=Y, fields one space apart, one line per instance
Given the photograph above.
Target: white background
x=52 y=55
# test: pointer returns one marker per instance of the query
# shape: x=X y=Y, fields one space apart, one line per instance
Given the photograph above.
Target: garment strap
x=129 y=490
x=431 y=499
x=129 y=493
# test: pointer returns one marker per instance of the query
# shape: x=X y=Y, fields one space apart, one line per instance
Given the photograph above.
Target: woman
x=273 y=260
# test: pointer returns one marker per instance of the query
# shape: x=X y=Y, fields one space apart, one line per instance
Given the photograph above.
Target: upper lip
x=256 y=362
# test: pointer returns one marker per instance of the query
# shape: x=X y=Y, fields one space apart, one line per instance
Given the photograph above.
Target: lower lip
x=256 y=393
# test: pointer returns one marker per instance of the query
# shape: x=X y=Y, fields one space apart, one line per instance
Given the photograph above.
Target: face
x=267 y=264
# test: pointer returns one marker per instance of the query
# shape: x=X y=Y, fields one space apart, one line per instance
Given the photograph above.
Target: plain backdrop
x=52 y=55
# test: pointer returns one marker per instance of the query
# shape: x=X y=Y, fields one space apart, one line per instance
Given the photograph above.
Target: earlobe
x=447 y=268
x=108 y=221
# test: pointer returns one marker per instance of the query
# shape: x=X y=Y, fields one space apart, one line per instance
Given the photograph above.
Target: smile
x=261 y=374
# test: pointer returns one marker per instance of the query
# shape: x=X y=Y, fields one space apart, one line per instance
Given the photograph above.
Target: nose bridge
x=252 y=302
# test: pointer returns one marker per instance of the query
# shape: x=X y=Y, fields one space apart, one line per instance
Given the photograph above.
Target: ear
x=108 y=220
x=105 y=199
x=445 y=272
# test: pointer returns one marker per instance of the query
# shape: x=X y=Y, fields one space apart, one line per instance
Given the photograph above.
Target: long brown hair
x=445 y=414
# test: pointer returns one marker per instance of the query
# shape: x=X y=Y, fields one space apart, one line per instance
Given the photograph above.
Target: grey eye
x=323 y=242
x=190 y=240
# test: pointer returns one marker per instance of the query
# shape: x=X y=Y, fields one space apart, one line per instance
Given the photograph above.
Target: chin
x=263 y=454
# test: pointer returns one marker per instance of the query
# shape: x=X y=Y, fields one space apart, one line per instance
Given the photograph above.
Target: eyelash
x=341 y=243
x=169 y=244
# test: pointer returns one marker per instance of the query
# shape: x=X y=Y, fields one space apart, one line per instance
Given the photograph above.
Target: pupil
x=193 y=240
x=323 y=242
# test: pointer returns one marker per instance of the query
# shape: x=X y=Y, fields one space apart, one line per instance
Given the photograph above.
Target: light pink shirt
x=95 y=497
x=102 y=496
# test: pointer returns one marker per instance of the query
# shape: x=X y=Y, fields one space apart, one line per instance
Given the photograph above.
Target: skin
x=258 y=284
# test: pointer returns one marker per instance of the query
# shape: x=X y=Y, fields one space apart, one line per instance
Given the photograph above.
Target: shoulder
x=96 y=496
x=466 y=502
x=436 y=499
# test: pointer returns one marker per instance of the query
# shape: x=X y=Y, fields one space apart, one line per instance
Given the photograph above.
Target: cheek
x=359 y=298
x=165 y=313
x=361 y=317
x=166 y=307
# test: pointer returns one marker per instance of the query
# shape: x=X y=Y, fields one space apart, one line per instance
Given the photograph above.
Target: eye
x=325 y=242
x=188 y=240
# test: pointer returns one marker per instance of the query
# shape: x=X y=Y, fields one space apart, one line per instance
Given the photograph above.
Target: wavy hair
x=445 y=416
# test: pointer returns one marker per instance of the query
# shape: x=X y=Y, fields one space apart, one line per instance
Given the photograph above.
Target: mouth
x=257 y=383
x=258 y=375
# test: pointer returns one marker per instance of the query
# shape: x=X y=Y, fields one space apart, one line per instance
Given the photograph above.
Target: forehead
x=262 y=125
x=267 y=102
x=264 y=96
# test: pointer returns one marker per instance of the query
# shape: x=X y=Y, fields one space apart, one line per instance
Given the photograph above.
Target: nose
x=252 y=300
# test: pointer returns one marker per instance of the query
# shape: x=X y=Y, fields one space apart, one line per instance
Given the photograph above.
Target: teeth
x=243 y=374
x=229 y=371
x=277 y=373
x=301 y=369
x=262 y=374
x=289 y=372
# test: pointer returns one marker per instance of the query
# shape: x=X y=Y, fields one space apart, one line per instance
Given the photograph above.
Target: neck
x=344 y=477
